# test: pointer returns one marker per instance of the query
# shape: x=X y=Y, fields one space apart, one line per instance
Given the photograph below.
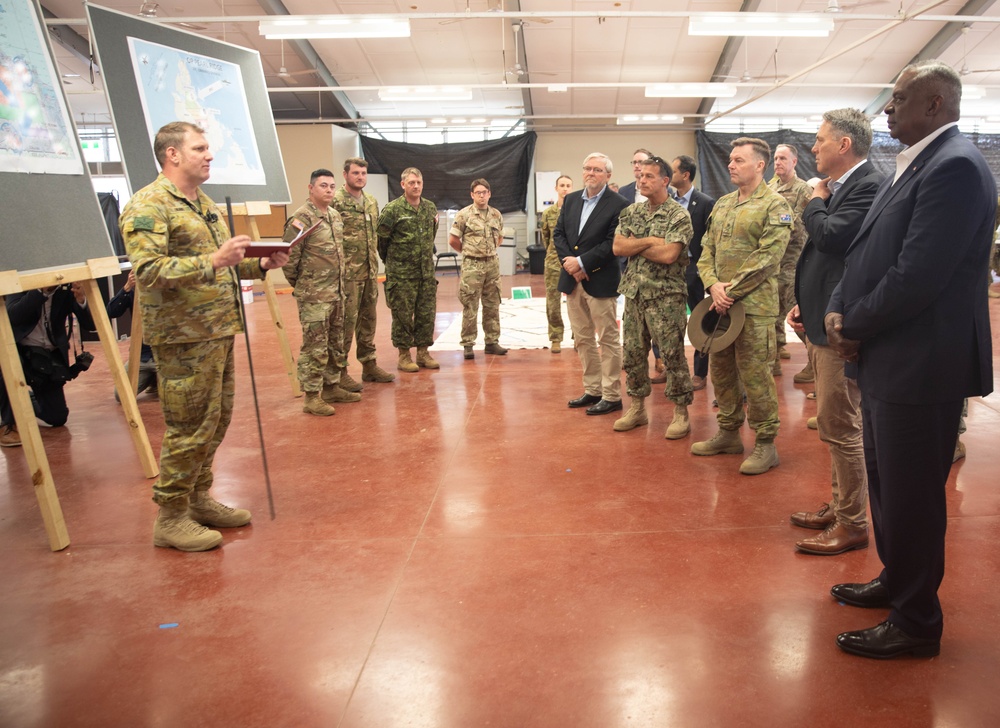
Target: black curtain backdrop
x=448 y=169
x=714 y=148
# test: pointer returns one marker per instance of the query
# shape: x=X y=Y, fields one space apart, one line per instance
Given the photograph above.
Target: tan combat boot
x=174 y=528
x=349 y=383
x=405 y=362
x=776 y=368
x=424 y=359
x=763 y=458
x=724 y=442
x=635 y=416
x=336 y=393
x=207 y=511
x=805 y=376
x=784 y=353
x=314 y=405
x=556 y=347
x=680 y=426
x=372 y=372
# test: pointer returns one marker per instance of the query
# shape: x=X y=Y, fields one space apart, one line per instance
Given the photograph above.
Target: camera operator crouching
x=43 y=327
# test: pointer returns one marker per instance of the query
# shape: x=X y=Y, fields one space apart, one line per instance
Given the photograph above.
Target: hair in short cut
x=759 y=146
x=563 y=176
x=603 y=157
x=686 y=164
x=317 y=173
x=408 y=171
x=172 y=135
x=644 y=151
x=356 y=161
x=790 y=147
x=940 y=78
x=477 y=182
x=661 y=164
x=854 y=125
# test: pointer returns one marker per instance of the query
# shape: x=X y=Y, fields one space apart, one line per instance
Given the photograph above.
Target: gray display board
x=154 y=74
x=49 y=220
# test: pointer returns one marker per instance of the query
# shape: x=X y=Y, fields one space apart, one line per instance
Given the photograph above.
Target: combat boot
x=784 y=353
x=635 y=416
x=495 y=348
x=468 y=353
x=805 y=376
x=763 y=458
x=372 y=372
x=174 y=528
x=680 y=426
x=336 y=393
x=724 y=442
x=207 y=511
x=776 y=368
x=349 y=383
x=556 y=347
x=405 y=362
x=424 y=359
x=314 y=405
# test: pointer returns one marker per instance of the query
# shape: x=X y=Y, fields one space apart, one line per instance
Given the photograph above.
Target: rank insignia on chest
x=786 y=219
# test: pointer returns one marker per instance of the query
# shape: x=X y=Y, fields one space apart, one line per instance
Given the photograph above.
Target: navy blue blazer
x=914 y=287
x=832 y=226
x=628 y=192
x=593 y=245
x=699 y=208
x=25 y=310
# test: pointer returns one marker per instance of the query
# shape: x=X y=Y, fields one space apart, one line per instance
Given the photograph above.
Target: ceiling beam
x=68 y=38
x=726 y=58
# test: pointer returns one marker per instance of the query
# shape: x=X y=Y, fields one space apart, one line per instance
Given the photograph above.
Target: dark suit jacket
x=628 y=192
x=699 y=208
x=25 y=309
x=832 y=226
x=593 y=245
x=914 y=289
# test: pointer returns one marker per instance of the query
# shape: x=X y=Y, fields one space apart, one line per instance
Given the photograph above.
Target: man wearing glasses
x=584 y=239
x=631 y=191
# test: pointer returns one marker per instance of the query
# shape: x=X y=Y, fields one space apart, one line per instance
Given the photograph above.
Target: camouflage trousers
x=553 y=303
x=322 y=354
x=745 y=366
x=413 y=302
x=360 y=300
x=197 y=391
x=662 y=320
x=480 y=281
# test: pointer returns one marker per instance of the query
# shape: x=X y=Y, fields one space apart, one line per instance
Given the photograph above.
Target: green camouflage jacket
x=315 y=267
x=406 y=238
x=360 y=240
x=643 y=278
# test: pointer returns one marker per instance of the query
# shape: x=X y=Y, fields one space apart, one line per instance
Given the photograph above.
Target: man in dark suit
x=40 y=321
x=584 y=239
x=911 y=311
x=699 y=207
x=629 y=191
x=832 y=218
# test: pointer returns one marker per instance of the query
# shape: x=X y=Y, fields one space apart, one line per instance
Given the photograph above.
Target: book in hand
x=261 y=249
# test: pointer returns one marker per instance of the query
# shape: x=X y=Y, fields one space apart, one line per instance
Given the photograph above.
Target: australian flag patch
x=786 y=219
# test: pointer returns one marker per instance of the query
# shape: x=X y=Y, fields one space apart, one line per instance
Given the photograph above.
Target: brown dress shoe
x=818 y=520
x=836 y=539
x=697 y=383
x=9 y=436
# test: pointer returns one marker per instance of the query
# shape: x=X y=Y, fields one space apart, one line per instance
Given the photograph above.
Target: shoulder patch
x=785 y=218
x=143 y=224
x=298 y=224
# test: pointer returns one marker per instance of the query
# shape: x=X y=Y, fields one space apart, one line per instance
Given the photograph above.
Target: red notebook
x=261 y=249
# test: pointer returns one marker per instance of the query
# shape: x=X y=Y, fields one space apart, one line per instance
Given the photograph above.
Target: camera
x=83 y=361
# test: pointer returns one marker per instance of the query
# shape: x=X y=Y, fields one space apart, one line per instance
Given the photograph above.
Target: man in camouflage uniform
x=797 y=194
x=406 y=230
x=746 y=238
x=553 y=298
x=187 y=269
x=654 y=236
x=476 y=234
x=359 y=212
x=316 y=273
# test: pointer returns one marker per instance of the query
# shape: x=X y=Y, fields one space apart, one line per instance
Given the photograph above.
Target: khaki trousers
x=593 y=321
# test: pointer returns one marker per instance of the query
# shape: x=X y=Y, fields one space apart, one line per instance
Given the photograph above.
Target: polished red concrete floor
x=460 y=549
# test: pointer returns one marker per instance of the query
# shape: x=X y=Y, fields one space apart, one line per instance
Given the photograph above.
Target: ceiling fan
x=491 y=8
x=965 y=70
x=835 y=6
x=289 y=76
x=746 y=76
x=517 y=71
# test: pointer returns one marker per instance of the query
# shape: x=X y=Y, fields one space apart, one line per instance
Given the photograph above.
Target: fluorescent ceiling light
x=558 y=88
x=335 y=26
x=690 y=90
x=971 y=91
x=802 y=25
x=425 y=93
x=650 y=119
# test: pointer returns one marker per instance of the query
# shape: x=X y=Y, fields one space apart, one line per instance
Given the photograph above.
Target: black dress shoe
x=870 y=595
x=605 y=406
x=585 y=401
x=886 y=641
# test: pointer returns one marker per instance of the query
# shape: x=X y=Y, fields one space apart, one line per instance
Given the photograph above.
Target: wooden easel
x=250 y=210
x=17 y=387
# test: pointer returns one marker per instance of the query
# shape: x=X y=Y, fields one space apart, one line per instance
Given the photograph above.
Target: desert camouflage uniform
x=315 y=270
x=190 y=314
x=743 y=245
x=480 y=233
x=360 y=270
x=796 y=194
x=656 y=300
x=406 y=244
x=553 y=298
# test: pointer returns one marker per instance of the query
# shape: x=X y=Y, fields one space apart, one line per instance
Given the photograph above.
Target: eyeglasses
x=595 y=170
x=481 y=192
